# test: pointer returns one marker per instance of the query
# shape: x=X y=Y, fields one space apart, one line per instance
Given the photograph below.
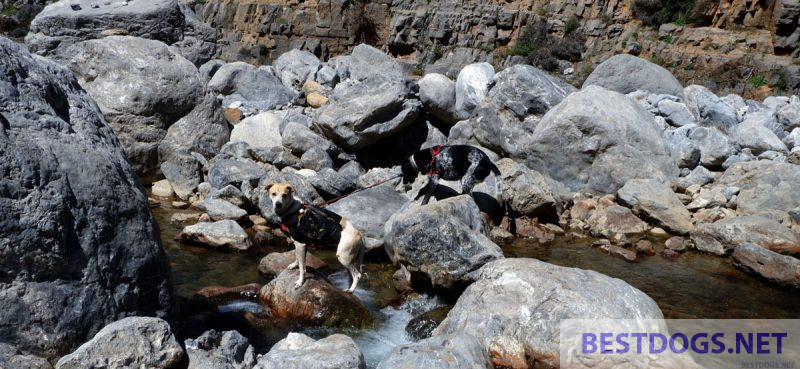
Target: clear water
x=694 y=285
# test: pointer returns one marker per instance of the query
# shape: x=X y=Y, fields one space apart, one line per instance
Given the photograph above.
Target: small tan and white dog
x=311 y=225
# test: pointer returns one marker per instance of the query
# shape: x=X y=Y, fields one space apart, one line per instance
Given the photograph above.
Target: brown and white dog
x=310 y=225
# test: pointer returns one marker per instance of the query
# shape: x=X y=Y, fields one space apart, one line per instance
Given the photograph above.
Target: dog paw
x=347 y=290
x=292 y=265
x=298 y=284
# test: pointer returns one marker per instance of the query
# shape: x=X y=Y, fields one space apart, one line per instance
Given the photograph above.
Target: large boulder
x=366 y=61
x=298 y=351
x=443 y=241
x=296 y=66
x=438 y=96
x=369 y=210
x=142 y=87
x=715 y=146
x=519 y=304
x=79 y=247
x=764 y=186
x=259 y=131
x=128 y=343
x=708 y=108
x=250 y=88
x=595 y=140
x=524 y=90
x=472 y=85
x=625 y=73
x=526 y=191
x=203 y=131
x=654 y=200
x=774 y=267
x=722 y=236
x=442 y=352
x=316 y=303
x=215 y=349
x=360 y=113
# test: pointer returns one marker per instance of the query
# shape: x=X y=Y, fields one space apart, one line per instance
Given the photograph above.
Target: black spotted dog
x=453 y=162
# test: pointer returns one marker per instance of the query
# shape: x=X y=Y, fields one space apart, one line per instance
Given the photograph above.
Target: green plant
x=657 y=12
x=545 y=50
x=635 y=36
x=667 y=39
x=438 y=52
x=606 y=18
x=418 y=70
x=8 y=10
x=572 y=25
x=758 y=81
x=624 y=43
x=688 y=67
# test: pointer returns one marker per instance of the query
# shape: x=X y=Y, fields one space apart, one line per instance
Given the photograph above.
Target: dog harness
x=432 y=170
x=313 y=225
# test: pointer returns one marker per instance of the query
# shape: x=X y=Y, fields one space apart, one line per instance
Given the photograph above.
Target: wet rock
x=622 y=252
x=679 y=244
x=183 y=218
x=708 y=108
x=221 y=293
x=296 y=66
x=645 y=247
x=625 y=73
x=472 y=85
x=73 y=209
x=298 y=351
x=774 y=267
x=162 y=188
x=501 y=305
x=369 y=211
x=221 y=209
x=315 y=303
x=721 y=237
x=130 y=342
x=654 y=200
x=444 y=241
x=764 y=186
x=438 y=96
x=421 y=326
x=366 y=61
x=276 y=262
x=127 y=77
x=215 y=349
x=670 y=254
x=247 y=87
x=625 y=143
x=360 y=113
x=615 y=219
x=260 y=131
x=444 y=352
x=224 y=234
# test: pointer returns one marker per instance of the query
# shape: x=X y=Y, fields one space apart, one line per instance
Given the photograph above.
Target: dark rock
x=777 y=268
x=421 y=326
x=252 y=89
x=369 y=211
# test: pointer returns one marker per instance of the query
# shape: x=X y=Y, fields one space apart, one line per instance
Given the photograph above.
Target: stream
x=691 y=286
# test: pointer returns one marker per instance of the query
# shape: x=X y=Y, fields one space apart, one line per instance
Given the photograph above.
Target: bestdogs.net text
x=701 y=343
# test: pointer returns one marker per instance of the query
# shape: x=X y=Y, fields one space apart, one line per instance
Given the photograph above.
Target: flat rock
x=224 y=234
x=221 y=210
x=654 y=200
x=276 y=262
x=298 y=351
x=770 y=265
x=722 y=236
x=259 y=131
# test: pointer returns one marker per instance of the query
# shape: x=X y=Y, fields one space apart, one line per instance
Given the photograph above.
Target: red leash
x=432 y=165
x=335 y=199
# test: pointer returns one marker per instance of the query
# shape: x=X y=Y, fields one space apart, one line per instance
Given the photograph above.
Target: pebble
x=658 y=231
x=180 y=204
x=162 y=188
x=645 y=247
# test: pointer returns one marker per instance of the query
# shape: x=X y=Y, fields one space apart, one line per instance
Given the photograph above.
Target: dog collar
x=432 y=165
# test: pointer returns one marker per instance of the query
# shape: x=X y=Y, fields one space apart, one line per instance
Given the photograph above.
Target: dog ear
x=290 y=188
x=268 y=186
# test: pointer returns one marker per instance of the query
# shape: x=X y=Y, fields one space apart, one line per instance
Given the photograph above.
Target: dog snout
x=278 y=204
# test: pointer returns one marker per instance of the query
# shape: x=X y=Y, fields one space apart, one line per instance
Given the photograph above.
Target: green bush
x=657 y=12
x=544 y=50
x=8 y=10
x=758 y=81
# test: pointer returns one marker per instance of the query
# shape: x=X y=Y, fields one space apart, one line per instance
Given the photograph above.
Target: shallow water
x=694 y=285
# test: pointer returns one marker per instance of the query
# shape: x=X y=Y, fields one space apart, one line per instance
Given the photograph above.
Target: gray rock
x=523 y=301
x=327 y=76
x=361 y=113
x=444 y=241
x=595 y=140
x=259 y=131
x=753 y=135
x=219 y=209
x=11 y=357
x=709 y=198
x=792 y=140
x=774 y=267
x=304 y=190
x=228 y=194
x=277 y=156
x=316 y=159
x=472 y=85
x=722 y=236
x=229 y=350
x=715 y=146
x=184 y=172
x=199 y=42
x=369 y=211
x=615 y=220
x=234 y=172
x=352 y=170
x=209 y=68
x=223 y=234
x=625 y=73
x=764 y=186
x=698 y=176
x=525 y=90
x=72 y=208
x=789 y=113
x=709 y=109
x=252 y=89
x=298 y=351
x=684 y=151
x=130 y=342
x=67 y=22
x=525 y=191
x=296 y=66
x=299 y=139
x=366 y=61
x=329 y=183
x=442 y=352
x=676 y=114
x=202 y=131
x=741 y=157
x=142 y=87
x=654 y=200
x=438 y=96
